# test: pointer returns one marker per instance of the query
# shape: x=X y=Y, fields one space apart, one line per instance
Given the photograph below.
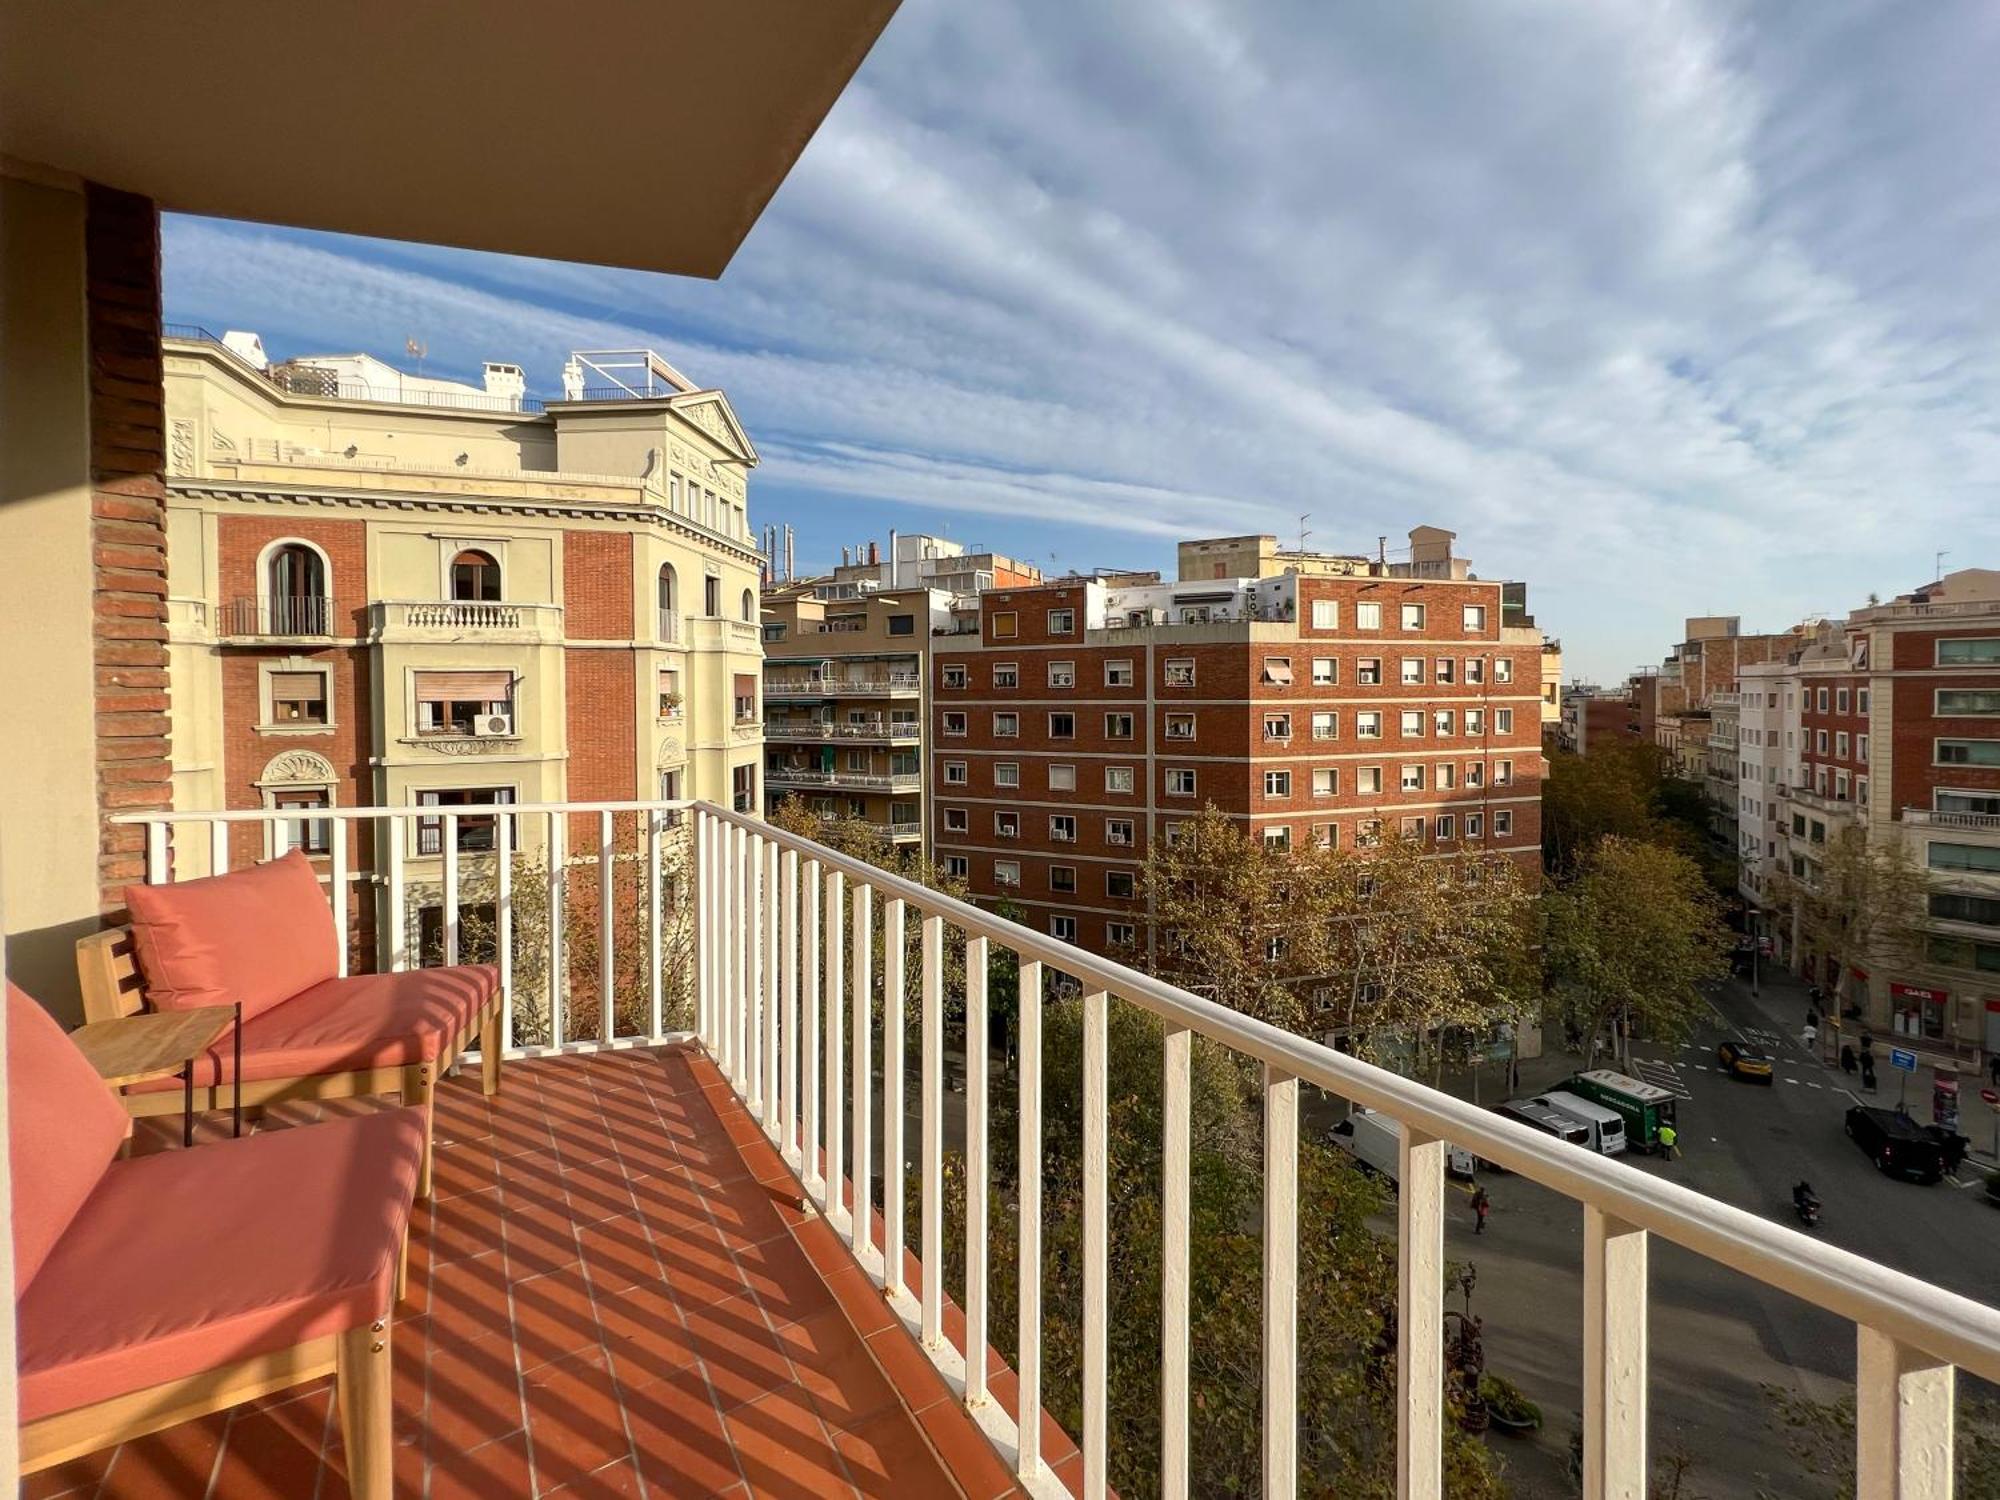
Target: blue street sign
x=1899 y=1058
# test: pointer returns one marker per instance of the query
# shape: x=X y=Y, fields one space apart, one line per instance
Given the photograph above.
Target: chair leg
x=418 y=1090
x=490 y=1043
x=403 y=1267
x=362 y=1389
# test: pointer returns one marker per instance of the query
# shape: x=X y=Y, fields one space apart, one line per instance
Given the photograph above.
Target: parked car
x=1375 y=1141
x=1741 y=1060
x=1898 y=1145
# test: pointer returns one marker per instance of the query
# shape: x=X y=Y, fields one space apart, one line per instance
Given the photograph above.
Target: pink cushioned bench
x=159 y=1289
x=264 y=938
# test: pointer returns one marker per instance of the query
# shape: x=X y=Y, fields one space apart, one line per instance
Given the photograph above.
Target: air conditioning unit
x=494 y=726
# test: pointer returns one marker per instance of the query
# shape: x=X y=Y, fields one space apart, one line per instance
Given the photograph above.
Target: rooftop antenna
x=1937 y=564
x=416 y=348
x=1303 y=533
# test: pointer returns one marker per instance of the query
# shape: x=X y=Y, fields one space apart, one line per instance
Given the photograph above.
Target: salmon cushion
x=256 y=937
x=63 y=1129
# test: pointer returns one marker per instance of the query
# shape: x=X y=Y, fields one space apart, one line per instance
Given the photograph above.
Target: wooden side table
x=133 y=1049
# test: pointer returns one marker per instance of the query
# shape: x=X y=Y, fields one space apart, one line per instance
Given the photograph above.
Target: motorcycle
x=1807 y=1208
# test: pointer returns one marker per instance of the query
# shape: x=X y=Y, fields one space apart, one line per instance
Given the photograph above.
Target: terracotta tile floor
x=612 y=1294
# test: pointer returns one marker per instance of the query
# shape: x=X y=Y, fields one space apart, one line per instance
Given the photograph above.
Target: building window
x=1445 y=777
x=1443 y=669
x=1006 y=825
x=1063 y=929
x=1278 y=836
x=1413 y=671
x=1411 y=827
x=1006 y=674
x=1966 y=702
x=1062 y=777
x=1368 y=725
x=1277 y=783
x=1062 y=674
x=1413 y=778
x=1120 y=935
x=1368 y=833
x=1978 y=859
x=1278 y=671
x=1368 y=671
x=1475 y=721
x=711 y=596
x=743 y=788
x=954 y=773
x=1442 y=827
x=1118 y=674
x=954 y=722
x=1118 y=832
x=666 y=602
x=1840 y=786
x=1062 y=828
x=1503 y=669
x=1325 y=614
x=1006 y=726
x=1474 y=619
x=1277 y=726
x=476 y=832
x=1475 y=773
x=1822 y=700
x=1006 y=773
x=312 y=835
x=955 y=675
x=1118 y=726
x=1326 y=835
x=1007 y=873
x=1861 y=748
x=465 y=703
x=1062 y=622
x=475 y=575
x=1819 y=741
x=902 y=624
x=1475 y=670
x=1180 y=671
x=1062 y=726
x=1368 y=781
x=1062 y=880
x=1410 y=723
x=957 y=820
x=1180 y=783
x=1840 y=700
x=746 y=607
x=1006 y=625
x=1326 y=671
x=1503 y=773
x=1326 y=782
x=1326 y=724
x=1367 y=617
x=1503 y=822
x=1840 y=743
x=746 y=698
x=1968 y=752
x=1180 y=726
x=1444 y=722
x=669 y=693
x=1475 y=825
x=1503 y=721
x=1413 y=617
x=296 y=590
x=1118 y=779
x=1955 y=653
x=298 y=698
x=957 y=866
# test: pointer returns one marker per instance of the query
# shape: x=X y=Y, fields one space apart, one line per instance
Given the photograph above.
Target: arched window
x=296 y=591
x=669 y=603
x=475 y=575
x=749 y=606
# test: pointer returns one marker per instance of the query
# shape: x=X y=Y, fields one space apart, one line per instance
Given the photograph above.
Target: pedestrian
x=1481 y=1207
x=1809 y=1038
x=1668 y=1137
x=1868 y=1071
x=1812 y=1016
x=1993 y=1069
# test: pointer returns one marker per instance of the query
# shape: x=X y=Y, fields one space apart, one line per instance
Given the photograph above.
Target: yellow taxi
x=1741 y=1060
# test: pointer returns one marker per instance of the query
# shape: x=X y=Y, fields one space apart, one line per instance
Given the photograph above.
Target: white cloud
x=1668 y=310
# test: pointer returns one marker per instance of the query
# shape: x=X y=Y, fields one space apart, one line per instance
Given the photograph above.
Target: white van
x=1606 y=1126
x=1374 y=1141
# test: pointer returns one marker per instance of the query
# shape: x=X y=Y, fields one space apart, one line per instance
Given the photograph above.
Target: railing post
x=975 y=1170
x=607 y=935
x=863 y=991
x=892 y=1094
x=1281 y=1284
x=1903 y=1403
x=704 y=946
x=503 y=922
x=1028 y=1361
x=836 y=1025
x=655 y=917
x=752 y=1087
x=558 y=928
x=1176 y=1118
x=740 y=951
x=450 y=850
x=158 y=864
x=337 y=844
x=809 y=1147
x=788 y=1085
x=1420 y=1316
x=1096 y=1298
x=1614 y=1358
x=931 y=1250
x=769 y=913
x=395 y=950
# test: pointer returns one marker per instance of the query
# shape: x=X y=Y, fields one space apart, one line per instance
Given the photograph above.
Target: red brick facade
x=128 y=526
x=1834 y=749
x=1125 y=722
x=1919 y=726
x=597 y=588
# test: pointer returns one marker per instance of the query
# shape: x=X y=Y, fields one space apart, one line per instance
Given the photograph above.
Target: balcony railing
x=282 y=615
x=874 y=729
x=1966 y=822
x=899 y=781
x=786 y=999
x=896 y=685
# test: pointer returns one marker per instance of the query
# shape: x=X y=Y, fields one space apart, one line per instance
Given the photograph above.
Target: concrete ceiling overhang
x=640 y=133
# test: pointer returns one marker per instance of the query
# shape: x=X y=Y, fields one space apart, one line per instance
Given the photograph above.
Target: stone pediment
x=711 y=412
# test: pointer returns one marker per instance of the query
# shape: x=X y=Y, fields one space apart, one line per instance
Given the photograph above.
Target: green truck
x=1644 y=1106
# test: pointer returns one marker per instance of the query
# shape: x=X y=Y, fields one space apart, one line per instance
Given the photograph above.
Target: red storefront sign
x=1917 y=994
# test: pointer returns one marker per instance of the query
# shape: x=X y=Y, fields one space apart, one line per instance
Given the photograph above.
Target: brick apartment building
x=386 y=589
x=1076 y=722
x=1891 y=720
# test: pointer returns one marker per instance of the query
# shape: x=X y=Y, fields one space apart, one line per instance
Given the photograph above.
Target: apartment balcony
x=1958 y=822
x=278 y=618
x=869 y=781
x=443 y=621
x=875 y=731
x=647 y=1261
x=896 y=685
x=719 y=634
x=900 y=833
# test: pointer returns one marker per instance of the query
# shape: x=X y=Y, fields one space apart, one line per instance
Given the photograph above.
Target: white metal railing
x=763 y=1016
x=841 y=687
x=874 y=729
x=1968 y=821
x=902 y=781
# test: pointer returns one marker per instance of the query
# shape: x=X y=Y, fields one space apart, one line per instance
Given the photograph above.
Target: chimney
x=788 y=552
x=874 y=555
x=894 y=581
x=506 y=383
x=843 y=557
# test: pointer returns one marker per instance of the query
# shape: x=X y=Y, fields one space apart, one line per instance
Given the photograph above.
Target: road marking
x=1812 y=1085
x=1793 y=1082
x=1852 y=1095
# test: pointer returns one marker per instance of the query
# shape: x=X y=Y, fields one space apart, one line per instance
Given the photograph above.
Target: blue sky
x=1670 y=310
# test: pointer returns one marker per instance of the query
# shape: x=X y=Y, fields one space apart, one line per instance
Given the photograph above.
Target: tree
x=1632 y=938
x=1622 y=789
x=1861 y=900
x=1376 y=945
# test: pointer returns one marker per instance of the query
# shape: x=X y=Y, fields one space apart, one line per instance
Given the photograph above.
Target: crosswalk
x=1662 y=1075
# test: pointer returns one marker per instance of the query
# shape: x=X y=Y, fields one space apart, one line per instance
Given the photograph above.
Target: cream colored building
x=434 y=592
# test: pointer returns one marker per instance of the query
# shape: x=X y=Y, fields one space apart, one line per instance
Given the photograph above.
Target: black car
x=1898 y=1145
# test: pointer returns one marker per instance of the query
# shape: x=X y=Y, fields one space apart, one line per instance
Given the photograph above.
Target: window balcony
x=878 y=731
x=1958 y=822
x=896 y=685
x=871 y=781
x=648 y=1256
x=295 y=617
x=439 y=621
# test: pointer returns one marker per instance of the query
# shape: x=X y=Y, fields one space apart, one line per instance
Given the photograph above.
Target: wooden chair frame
x=358 y=1360
x=107 y=965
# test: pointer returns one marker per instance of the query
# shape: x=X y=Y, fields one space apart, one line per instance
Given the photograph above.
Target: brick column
x=128 y=526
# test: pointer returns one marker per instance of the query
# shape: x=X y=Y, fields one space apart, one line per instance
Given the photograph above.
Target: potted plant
x=670 y=705
x=1506 y=1407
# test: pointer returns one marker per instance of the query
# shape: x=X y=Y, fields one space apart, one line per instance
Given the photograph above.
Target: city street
x=1718 y=1338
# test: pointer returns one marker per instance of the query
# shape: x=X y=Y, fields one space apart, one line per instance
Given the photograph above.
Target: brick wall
x=128 y=525
x=597 y=595
x=241 y=540
x=598 y=712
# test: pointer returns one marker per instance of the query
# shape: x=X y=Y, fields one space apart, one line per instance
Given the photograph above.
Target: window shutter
x=298 y=687
x=1278 y=672
x=746 y=685
x=464 y=687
